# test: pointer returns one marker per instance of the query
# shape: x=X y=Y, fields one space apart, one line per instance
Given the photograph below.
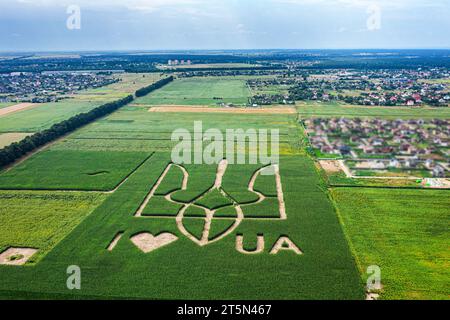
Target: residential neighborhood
x=48 y=86
x=376 y=88
x=376 y=144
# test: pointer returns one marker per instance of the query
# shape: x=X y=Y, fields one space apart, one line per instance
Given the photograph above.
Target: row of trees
x=17 y=150
x=157 y=85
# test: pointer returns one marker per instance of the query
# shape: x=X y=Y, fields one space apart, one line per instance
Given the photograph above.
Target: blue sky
x=40 y=25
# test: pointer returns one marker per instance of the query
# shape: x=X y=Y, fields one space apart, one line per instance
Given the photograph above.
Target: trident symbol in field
x=206 y=238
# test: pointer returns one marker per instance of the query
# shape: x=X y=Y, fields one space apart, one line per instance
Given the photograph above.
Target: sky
x=55 y=25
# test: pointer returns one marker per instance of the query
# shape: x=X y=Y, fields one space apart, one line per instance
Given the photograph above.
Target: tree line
x=17 y=150
x=159 y=84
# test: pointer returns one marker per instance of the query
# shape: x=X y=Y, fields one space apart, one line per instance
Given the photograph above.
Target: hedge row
x=157 y=85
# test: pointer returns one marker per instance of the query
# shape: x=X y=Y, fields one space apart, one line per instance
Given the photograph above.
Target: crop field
x=40 y=219
x=75 y=170
x=43 y=116
x=333 y=110
x=4 y=105
x=136 y=129
x=200 y=91
x=405 y=232
x=182 y=232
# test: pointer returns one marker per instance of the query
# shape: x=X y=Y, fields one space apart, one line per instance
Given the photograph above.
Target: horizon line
x=222 y=50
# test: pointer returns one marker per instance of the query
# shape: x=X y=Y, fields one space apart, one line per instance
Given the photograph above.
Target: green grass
x=266 y=184
x=340 y=179
x=159 y=206
x=405 y=232
x=236 y=182
x=72 y=170
x=172 y=182
x=4 y=105
x=201 y=179
x=214 y=200
x=197 y=212
x=40 y=219
x=219 y=226
x=333 y=109
x=194 y=227
x=43 y=116
x=199 y=91
x=269 y=208
x=226 y=212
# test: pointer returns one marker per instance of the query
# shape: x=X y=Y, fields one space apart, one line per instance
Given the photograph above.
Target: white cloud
x=139 y=5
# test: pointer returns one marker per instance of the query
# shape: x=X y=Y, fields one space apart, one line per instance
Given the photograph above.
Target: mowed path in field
x=16 y=108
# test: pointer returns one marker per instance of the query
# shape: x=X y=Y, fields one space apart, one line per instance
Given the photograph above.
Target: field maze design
x=204 y=224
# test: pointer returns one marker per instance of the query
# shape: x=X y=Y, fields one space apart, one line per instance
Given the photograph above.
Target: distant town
x=370 y=88
x=377 y=88
x=48 y=86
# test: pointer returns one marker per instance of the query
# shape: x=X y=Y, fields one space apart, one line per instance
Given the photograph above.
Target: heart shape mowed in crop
x=147 y=242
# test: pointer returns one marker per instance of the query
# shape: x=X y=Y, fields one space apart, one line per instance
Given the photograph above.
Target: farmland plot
x=199 y=91
x=39 y=219
x=73 y=170
x=43 y=116
x=405 y=233
x=4 y=105
x=334 y=109
x=7 y=138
